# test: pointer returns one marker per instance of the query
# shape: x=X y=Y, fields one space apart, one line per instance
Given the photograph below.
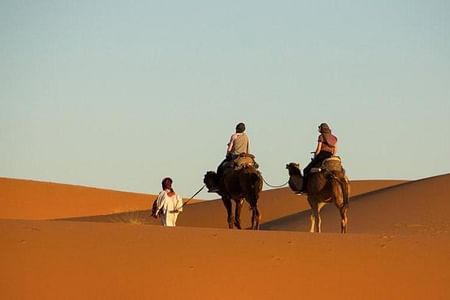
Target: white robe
x=169 y=207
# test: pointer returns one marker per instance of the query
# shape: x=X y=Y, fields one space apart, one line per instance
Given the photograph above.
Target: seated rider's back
x=240 y=144
x=328 y=141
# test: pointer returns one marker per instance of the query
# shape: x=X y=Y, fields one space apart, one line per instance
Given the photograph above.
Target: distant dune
x=27 y=199
x=397 y=247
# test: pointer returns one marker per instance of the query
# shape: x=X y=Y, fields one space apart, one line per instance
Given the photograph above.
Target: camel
x=323 y=187
x=238 y=184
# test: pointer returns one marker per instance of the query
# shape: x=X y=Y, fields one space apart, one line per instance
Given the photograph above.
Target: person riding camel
x=326 y=148
x=239 y=143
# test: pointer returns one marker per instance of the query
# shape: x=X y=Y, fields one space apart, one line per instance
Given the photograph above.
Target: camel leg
x=228 y=205
x=316 y=221
x=319 y=221
x=313 y=221
x=315 y=218
x=256 y=218
x=342 y=205
x=314 y=213
x=252 y=199
x=237 y=213
x=344 y=219
x=344 y=209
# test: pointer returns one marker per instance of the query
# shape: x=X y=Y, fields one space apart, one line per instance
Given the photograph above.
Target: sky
x=119 y=94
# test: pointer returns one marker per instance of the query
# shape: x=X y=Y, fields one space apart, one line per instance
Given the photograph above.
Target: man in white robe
x=169 y=204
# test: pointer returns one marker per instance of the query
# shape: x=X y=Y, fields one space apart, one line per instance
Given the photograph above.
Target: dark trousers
x=315 y=163
x=229 y=158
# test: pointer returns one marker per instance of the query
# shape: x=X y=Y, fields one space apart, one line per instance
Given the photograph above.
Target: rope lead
x=275 y=186
x=194 y=195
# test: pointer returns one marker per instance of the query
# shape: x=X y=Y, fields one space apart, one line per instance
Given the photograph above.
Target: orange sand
x=398 y=246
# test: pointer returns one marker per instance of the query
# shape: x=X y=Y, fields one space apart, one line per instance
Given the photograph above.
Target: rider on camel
x=326 y=148
x=238 y=144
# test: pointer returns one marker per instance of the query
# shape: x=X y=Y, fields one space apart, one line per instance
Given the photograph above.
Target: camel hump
x=332 y=164
x=244 y=160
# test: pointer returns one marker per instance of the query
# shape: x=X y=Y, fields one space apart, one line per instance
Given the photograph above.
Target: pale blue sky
x=118 y=94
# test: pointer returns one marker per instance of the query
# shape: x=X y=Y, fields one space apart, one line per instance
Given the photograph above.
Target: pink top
x=329 y=144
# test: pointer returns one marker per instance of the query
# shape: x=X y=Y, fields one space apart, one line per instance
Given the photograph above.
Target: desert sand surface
x=398 y=247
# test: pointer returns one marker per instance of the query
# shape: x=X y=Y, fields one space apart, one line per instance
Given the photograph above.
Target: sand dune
x=35 y=200
x=417 y=206
x=27 y=199
x=398 y=246
x=80 y=260
x=273 y=204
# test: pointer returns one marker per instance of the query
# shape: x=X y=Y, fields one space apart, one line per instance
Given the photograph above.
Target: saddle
x=244 y=160
x=332 y=165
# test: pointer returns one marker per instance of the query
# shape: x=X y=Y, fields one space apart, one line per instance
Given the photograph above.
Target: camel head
x=210 y=179
x=295 y=177
x=293 y=169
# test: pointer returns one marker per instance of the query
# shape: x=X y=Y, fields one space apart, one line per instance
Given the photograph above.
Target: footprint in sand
x=385 y=239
